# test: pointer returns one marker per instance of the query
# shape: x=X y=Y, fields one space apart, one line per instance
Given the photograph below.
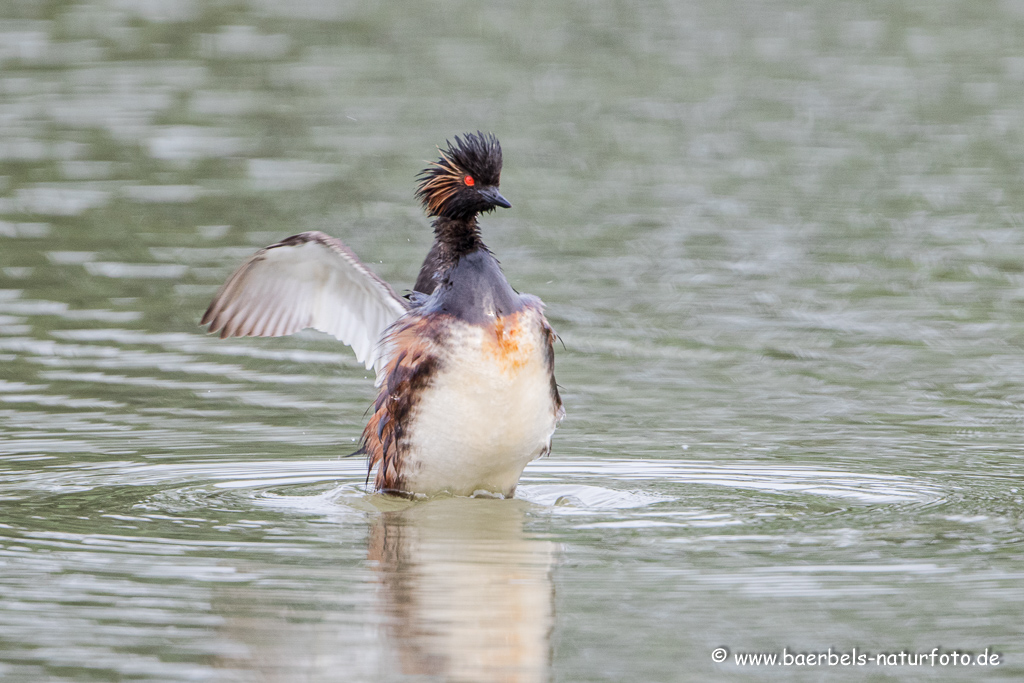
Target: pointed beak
x=492 y=195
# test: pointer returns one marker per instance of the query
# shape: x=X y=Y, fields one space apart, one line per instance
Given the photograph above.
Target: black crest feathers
x=451 y=186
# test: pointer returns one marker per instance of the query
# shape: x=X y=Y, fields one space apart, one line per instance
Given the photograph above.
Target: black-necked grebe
x=465 y=365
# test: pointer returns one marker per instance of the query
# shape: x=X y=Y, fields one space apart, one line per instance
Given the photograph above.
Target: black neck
x=458 y=236
x=453 y=239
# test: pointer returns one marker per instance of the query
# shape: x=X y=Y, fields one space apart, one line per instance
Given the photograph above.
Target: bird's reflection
x=465 y=592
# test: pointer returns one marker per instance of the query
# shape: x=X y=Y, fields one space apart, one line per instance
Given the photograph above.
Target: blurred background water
x=781 y=241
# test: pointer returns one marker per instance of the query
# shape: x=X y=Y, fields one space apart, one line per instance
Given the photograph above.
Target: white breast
x=488 y=412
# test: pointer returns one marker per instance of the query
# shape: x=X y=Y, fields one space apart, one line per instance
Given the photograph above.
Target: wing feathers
x=308 y=280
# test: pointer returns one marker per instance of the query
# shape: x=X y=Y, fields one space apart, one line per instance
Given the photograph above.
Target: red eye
x=469 y=180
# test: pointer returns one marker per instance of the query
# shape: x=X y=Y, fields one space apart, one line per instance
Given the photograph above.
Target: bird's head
x=464 y=181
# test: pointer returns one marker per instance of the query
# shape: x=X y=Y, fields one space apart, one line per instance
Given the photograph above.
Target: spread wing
x=308 y=280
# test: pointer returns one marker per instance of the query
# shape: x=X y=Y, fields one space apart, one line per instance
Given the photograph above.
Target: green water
x=781 y=242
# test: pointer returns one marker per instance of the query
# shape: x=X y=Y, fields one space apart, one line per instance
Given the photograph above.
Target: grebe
x=465 y=364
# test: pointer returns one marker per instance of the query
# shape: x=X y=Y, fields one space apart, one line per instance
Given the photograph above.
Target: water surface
x=782 y=246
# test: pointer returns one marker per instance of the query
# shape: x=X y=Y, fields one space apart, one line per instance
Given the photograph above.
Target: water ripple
x=778 y=479
x=611 y=485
